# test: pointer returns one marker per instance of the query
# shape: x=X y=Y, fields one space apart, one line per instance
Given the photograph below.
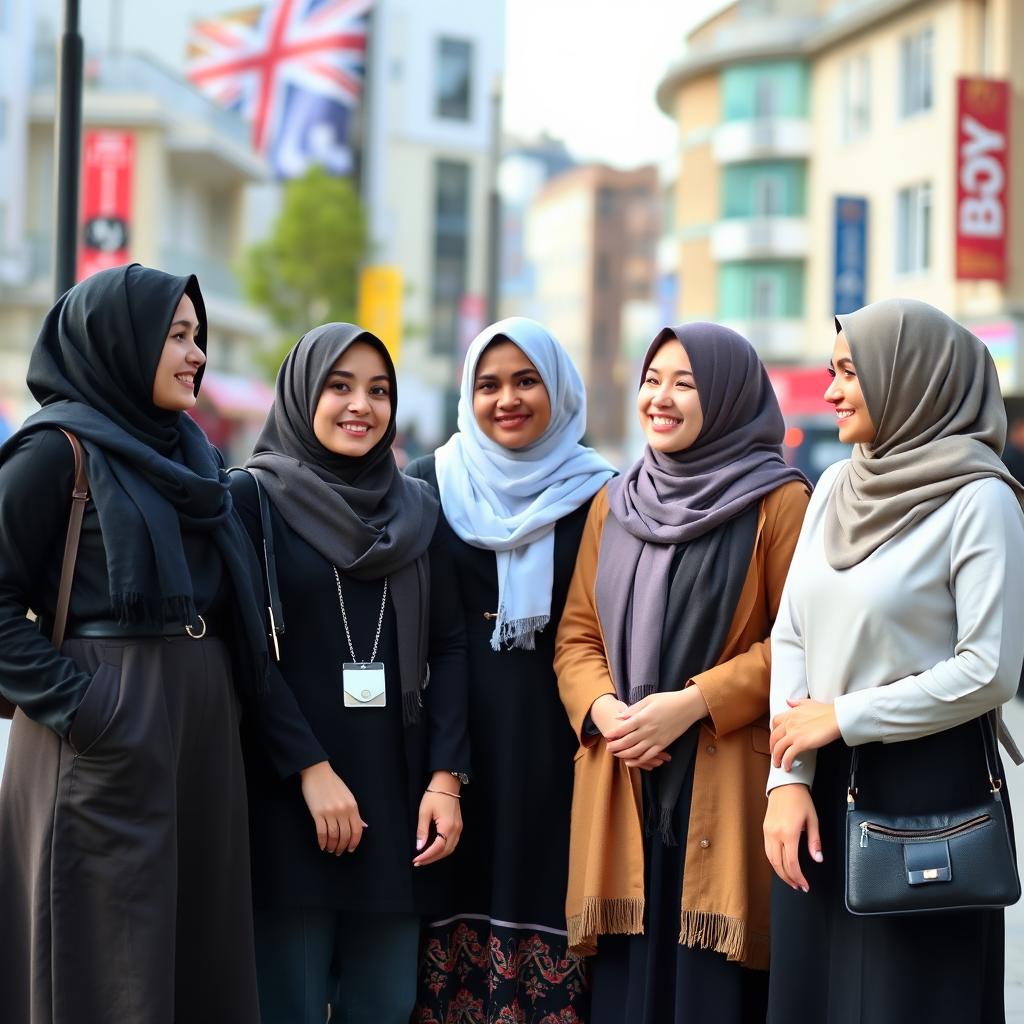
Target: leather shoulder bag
x=79 y=498
x=961 y=859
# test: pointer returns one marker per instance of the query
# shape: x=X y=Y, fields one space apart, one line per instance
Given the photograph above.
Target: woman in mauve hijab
x=663 y=662
x=124 y=862
x=354 y=763
x=900 y=626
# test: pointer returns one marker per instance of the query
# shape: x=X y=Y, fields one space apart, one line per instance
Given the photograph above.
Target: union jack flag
x=294 y=68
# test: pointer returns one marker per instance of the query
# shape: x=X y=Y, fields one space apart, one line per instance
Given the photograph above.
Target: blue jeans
x=364 y=965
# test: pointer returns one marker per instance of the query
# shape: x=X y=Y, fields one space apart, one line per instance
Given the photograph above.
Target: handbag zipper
x=917 y=835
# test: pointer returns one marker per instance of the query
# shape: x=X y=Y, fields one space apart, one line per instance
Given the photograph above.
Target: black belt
x=109 y=628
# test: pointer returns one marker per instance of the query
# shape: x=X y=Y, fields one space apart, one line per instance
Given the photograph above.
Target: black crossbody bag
x=961 y=859
x=275 y=610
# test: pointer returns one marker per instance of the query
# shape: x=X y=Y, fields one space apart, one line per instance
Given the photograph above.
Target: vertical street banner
x=294 y=69
x=983 y=178
x=380 y=306
x=108 y=166
x=851 y=230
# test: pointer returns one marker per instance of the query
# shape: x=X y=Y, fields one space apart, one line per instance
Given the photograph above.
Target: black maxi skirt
x=651 y=978
x=124 y=866
x=832 y=967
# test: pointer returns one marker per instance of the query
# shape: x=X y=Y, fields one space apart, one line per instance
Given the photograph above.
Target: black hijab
x=363 y=515
x=151 y=470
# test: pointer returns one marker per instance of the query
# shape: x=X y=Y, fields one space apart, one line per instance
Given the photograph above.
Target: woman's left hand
x=808 y=726
x=442 y=809
x=648 y=727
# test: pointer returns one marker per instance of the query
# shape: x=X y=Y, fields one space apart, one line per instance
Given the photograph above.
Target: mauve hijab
x=671 y=498
x=932 y=391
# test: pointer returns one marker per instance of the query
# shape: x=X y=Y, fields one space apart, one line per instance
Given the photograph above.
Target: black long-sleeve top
x=302 y=721
x=36 y=481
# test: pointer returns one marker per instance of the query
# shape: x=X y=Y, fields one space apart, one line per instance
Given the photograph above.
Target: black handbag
x=961 y=859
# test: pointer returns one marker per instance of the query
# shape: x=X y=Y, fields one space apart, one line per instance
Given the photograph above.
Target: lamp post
x=68 y=146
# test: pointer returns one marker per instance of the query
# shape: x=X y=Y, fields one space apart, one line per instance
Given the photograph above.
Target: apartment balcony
x=769 y=138
x=775 y=339
x=780 y=238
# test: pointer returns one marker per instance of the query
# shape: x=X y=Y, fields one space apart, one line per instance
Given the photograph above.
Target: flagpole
x=493 y=279
x=68 y=144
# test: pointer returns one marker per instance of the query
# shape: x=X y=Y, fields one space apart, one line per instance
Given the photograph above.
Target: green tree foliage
x=306 y=272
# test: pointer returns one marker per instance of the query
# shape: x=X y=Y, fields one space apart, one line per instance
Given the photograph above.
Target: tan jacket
x=726 y=875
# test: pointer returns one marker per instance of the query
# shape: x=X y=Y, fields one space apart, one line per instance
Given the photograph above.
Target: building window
x=606 y=203
x=454 y=79
x=855 y=96
x=766 y=97
x=767 y=196
x=451 y=251
x=916 y=73
x=913 y=229
x=764 y=296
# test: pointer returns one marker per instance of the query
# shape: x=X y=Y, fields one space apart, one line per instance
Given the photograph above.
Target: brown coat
x=726 y=876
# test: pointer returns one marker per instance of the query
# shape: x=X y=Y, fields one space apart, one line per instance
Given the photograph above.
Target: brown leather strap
x=79 y=497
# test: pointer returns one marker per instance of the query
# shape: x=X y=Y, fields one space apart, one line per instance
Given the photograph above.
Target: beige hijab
x=933 y=394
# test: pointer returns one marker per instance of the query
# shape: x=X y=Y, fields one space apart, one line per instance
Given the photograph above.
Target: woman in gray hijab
x=899 y=627
x=354 y=769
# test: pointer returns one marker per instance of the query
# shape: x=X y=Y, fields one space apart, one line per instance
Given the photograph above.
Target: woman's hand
x=645 y=730
x=604 y=712
x=442 y=808
x=339 y=828
x=809 y=726
x=790 y=812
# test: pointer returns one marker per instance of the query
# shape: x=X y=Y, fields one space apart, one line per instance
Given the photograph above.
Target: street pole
x=68 y=146
x=494 y=208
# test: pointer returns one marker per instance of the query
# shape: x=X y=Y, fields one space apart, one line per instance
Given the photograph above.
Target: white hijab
x=508 y=500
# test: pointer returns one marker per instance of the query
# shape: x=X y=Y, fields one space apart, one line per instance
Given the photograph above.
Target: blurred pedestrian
x=899 y=627
x=663 y=666
x=354 y=768
x=515 y=485
x=124 y=861
x=1013 y=452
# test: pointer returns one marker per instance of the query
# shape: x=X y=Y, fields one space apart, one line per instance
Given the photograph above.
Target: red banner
x=107 y=168
x=983 y=179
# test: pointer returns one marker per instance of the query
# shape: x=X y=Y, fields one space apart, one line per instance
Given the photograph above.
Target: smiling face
x=844 y=393
x=354 y=408
x=510 y=401
x=669 y=406
x=174 y=384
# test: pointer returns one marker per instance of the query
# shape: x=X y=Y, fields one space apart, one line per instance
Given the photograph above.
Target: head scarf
x=151 y=470
x=932 y=392
x=508 y=500
x=673 y=498
x=360 y=513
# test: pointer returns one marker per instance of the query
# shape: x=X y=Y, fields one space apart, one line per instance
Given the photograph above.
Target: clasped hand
x=809 y=726
x=640 y=734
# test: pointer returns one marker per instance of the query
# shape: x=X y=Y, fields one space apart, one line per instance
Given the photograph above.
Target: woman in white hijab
x=515 y=486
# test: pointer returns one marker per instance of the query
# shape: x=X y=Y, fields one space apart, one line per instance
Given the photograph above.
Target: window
x=767 y=196
x=606 y=203
x=454 y=79
x=913 y=229
x=916 y=73
x=766 y=95
x=855 y=97
x=451 y=251
x=764 y=297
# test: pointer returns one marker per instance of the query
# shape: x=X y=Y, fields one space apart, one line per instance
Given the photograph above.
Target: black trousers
x=832 y=967
x=124 y=867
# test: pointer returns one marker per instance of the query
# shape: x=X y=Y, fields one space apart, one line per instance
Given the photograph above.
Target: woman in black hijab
x=353 y=758
x=124 y=877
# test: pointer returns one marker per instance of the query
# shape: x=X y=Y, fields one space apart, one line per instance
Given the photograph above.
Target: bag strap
x=985 y=722
x=79 y=498
x=275 y=610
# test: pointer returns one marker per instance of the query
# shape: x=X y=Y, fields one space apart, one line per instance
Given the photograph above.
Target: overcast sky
x=584 y=70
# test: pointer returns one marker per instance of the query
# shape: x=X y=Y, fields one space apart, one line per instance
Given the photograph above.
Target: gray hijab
x=363 y=514
x=933 y=394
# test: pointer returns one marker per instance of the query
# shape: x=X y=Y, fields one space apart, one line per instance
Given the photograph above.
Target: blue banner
x=850 y=283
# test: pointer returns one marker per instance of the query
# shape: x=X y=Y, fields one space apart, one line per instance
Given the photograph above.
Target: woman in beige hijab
x=899 y=626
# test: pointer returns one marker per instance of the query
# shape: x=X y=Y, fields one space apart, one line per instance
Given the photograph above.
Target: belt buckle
x=197 y=636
